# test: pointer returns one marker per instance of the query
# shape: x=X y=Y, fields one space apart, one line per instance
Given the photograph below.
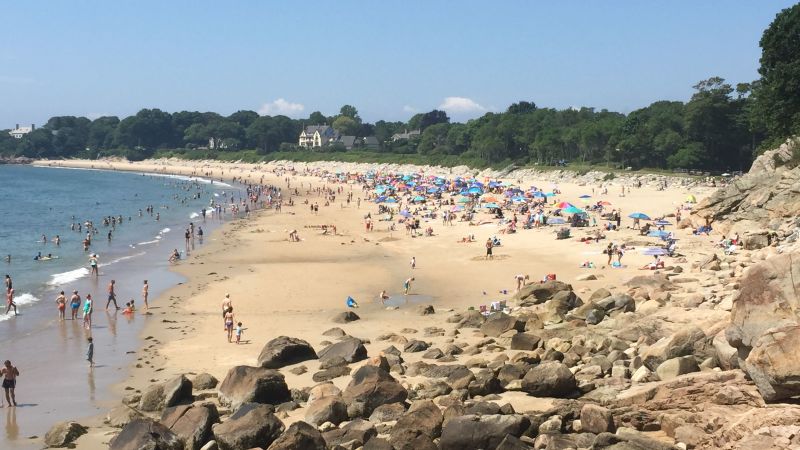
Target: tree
x=345 y=125
x=317 y=118
x=101 y=133
x=243 y=118
x=522 y=107
x=432 y=118
x=149 y=129
x=778 y=93
x=349 y=111
x=434 y=140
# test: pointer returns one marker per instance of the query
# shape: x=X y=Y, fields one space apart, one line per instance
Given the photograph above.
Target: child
x=90 y=352
x=239 y=331
x=128 y=309
x=413 y=262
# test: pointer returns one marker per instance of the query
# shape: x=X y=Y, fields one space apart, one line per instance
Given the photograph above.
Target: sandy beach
x=288 y=288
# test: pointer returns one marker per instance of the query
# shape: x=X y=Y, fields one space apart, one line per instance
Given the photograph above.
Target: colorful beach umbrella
x=563 y=205
x=572 y=210
x=640 y=216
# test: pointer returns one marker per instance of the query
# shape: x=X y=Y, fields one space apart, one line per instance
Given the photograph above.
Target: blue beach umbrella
x=475 y=190
x=585 y=196
x=638 y=215
x=572 y=210
x=391 y=200
x=419 y=198
x=491 y=205
x=380 y=199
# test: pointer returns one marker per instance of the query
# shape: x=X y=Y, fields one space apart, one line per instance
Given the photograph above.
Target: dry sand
x=294 y=288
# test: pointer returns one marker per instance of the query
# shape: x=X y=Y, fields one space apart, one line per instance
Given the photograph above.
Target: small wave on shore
x=122 y=258
x=21 y=300
x=68 y=277
x=194 y=215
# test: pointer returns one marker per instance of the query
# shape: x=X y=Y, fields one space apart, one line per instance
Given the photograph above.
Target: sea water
x=55 y=382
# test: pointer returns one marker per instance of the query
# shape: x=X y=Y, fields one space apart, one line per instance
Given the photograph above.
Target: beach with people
x=285 y=282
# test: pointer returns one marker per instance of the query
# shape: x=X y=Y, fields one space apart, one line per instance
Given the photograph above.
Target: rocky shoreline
x=699 y=354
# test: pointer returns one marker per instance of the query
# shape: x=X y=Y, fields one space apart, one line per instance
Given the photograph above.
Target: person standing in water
x=10 y=301
x=90 y=352
x=93 y=264
x=145 y=294
x=10 y=374
x=61 y=304
x=75 y=304
x=87 y=312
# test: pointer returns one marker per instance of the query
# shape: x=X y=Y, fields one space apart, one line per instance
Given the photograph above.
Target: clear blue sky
x=388 y=59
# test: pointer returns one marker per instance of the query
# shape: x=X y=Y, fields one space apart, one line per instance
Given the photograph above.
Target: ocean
x=55 y=382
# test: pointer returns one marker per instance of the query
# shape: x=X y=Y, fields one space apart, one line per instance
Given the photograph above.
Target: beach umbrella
x=604 y=203
x=585 y=196
x=419 y=198
x=488 y=198
x=538 y=194
x=433 y=190
x=662 y=223
x=405 y=213
x=572 y=210
x=518 y=199
x=638 y=215
x=457 y=208
x=654 y=251
x=391 y=200
x=658 y=234
x=491 y=205
x=463 y=200
x=691 y=198
x=563 y=205
x=380 y=199
x=475 y=190
x=549 y=194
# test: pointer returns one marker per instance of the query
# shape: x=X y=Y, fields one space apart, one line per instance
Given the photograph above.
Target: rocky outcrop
x=371 y=387
x=299 y=435
x=252 y=425
x=481 y=431
x=145 y=433
x=349 y=350
x=63 y=434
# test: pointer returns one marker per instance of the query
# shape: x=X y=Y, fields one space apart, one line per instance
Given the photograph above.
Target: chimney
x=33 y=126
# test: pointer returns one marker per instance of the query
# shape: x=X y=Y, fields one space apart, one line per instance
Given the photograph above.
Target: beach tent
x=654 y=251
x=640 y=216
x=573 y=210
x=691 y=199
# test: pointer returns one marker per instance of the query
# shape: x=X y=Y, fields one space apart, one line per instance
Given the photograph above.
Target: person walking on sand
x=112 y=296
x=61 y=304
x=90 y=352
x=145 y=293
x=226 y=303
x=75 y=303
x=489 y=245
x=413 y=262
x=87 y=312
x=239 y=331
x=407 y=285
x=10 y=374
x=229 y=323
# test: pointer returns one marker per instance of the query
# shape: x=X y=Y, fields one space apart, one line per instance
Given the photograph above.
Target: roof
x=370 y=140
x=406 y=135
x=22 y=130
x=348 y=141
x=323 y=129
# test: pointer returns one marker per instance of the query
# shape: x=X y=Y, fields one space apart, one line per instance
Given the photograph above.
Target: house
x=316 y=136
x=19 y=131
x=405 y=135
x=347 y=141
x=371 y=143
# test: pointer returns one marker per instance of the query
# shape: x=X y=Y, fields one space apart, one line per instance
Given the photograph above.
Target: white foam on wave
x=21 y=300
x=165 y=231
x=194 y=215
x=154 y=241
x=68 y=277
x=122 y=258
x=188 y=178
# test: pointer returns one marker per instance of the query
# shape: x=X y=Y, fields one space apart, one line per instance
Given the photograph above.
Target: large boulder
x=204 y=381
x=350 y=350
x=774 y=363
x=145 y=433
x=326 y=409
x=424 y=417
x=525 y=341
x=596 y=419
x=285 y=351
x=481 y=431
x=357 y=432
x=121 y=415
x=371 y=387
x=63 y=434
x=192 y=423
x=252 y=425
x=682 y=343
x=672 y=368
x=550 y=379
x=299 y=435
x=499 y=322
x=345 y=317
x=245 y=384
x=536 y=293
x=163 y=395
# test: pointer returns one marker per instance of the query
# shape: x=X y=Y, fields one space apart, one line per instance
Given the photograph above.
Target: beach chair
x=484 y=310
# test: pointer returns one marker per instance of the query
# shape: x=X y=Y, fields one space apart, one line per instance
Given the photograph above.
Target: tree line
x=722 y=127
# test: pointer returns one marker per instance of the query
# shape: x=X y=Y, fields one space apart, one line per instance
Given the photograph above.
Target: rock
x=285 y=351
x=536 y=293
x=345 y=317
x=145 y=433
x=550 y=379
x=433 y=353
x=691 y=435
x=599 y=294
x=485 y=383
x=387 y=413
x=595 y=316
x=513 y=443
x=63 y=434
x=204 y=381
x=424 y=310
x=177 y=391
x=552 y=425
x=414 y=346
x=326 y=409
x=335 y=332
x=423 y=418
x=299 y=435
x=596 y=419
x=499 y=322
x=299 y=370
x=682 y=343
x=642 y=375
x=774 y=364
x=471 y=319
x=350 y=349
x=460 y=378
x=371 y=387
x=675 y=367
x=121 y=415
x=252 y=425
x=481 y=432
x=327 y=389
x=586 y=277
x=358 y=432
x=245 y=384
x=152 y=398
x=192 y=423
x=330 y=374
x=525 y=341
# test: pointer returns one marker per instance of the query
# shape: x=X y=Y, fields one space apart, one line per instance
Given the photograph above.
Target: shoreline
x=324 y=270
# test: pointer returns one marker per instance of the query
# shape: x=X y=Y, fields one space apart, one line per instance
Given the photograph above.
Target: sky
x=389 y=59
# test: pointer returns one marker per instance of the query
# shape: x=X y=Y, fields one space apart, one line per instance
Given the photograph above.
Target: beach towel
x=351 y=303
